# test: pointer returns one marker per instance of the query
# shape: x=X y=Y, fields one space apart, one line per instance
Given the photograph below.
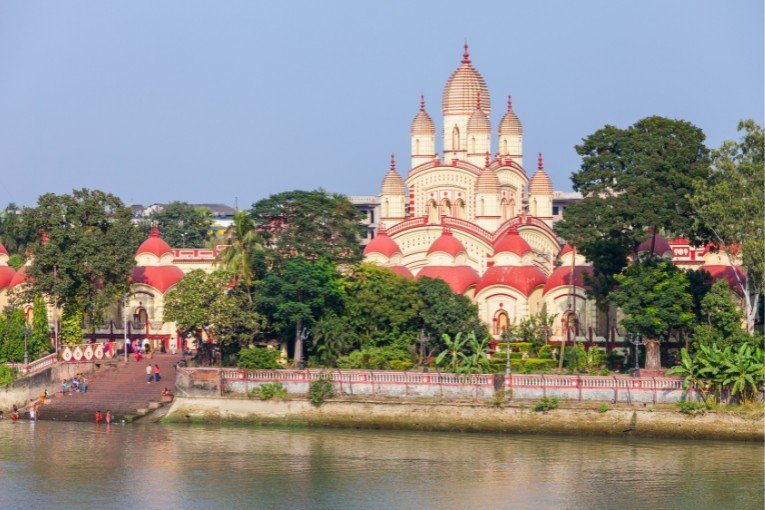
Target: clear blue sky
x=205 y=101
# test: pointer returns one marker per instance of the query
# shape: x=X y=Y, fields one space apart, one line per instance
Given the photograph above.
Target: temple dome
x=6 y=276
x=447 y=243
x=159 y=277
x=478 y=121
x=154 y=244
x=487 y=182
x=561 y=277
x=524 y=278
x=3 y=251
x=18 y=278
x=392 y=183
x=459 y=278
x=402 y=271
x=422 y=123
x=540 y=183
x=510 y=123
x=383 y=245
x=512 y=242
x=661 y=247
x=463 y=86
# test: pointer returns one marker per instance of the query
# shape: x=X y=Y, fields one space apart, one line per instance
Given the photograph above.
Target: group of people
x=152 y=373
x=103 y=418
x=78 y=384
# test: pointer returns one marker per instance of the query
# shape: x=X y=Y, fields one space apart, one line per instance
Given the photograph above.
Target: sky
x=224 y=102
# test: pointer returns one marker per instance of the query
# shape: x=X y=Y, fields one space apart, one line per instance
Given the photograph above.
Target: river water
x=78 y=465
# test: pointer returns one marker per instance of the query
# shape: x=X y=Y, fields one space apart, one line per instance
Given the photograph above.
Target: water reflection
x=81 y=465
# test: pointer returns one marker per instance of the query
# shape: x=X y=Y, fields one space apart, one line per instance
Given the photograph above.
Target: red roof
x=727 y=273
x=660 y=248
x=3 y=251
x=512 y=242
x=561 y=277
x=566 y=249
x=154 y=244
x=524 y=278
x=447 y=243
x=159 y=277
x=402 y=271
x=383 y=245
x=18 y=278
x=6 y=276
x=459 y=278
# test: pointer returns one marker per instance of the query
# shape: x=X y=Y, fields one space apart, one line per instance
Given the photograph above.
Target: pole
x=26 y=353
x=55 y=308
x=124 y=328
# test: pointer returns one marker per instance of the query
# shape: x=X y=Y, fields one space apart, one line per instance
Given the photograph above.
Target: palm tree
x=243 y=243
x=452 y=352
x=689 y=370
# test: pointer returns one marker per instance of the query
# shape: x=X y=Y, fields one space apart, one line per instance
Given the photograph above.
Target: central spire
x=466 y=55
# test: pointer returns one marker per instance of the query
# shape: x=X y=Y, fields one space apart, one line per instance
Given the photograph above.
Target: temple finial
x=540 y=166
x=509 y=103
x=478 y=100
x=393 y=162
x=422 y=102
x=466 y=55
x=154 y=231
x=487 y=159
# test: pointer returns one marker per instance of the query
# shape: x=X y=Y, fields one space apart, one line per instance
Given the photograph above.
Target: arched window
x=432 y=212
x=510 y=209
x=140 y=318
x=416 y=145
x=501 y=322
x=534 y=207
x=446 y=207
x=455 y=139
x=504 y=209
x=386 y=208
x=483 y=207
x=472 y=144
x=504 y=146
x=459 y=209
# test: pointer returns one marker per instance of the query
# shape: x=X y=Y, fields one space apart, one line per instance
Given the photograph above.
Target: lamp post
x=26 y=353
x=508 y=370
x=635 y=339
x=124 y=328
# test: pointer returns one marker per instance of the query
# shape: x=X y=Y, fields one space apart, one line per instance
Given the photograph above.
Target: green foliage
x=86 y=261
x=582 y=361
x=39 y=338
x=692 y=408
x=12 y=337
x=545 y=351
x=320 y=390
x=731 y=204
x=331 y=338
x=376 y=358
x=14 y=233
x=269 y=391
x=244 y=255
x=182 y=225
x=545 y=405
x=71 y=326
x=401 y=365
x=6 y=376
x=700 y=282
x=500 y=397
x=257 y=358
x=533 y=330
x=444 y=312
x=653 y=295
x=312 y=225
x=16 y=261
x=602 y=408
x=719 y=310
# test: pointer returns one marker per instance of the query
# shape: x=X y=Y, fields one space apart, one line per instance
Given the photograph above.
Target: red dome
x=561 y=277
x=6 y=275
x=18 y=278
x=512 y=242
x=383 y=245
x=159 y=277
x=524 y=278
x=154 y=244
x=459 y=278
x=402 y=271
x=728 y=274
x=447 y=243
x=660 y=248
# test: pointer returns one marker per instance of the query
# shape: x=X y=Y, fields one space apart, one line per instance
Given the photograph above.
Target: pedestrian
x=36 y=410
x=149 y=373
x=64 y=387
x=99 y=417
x=83 y=384
x=32 y=416
x=108 y=417
x=156 y=373
x=15 y=413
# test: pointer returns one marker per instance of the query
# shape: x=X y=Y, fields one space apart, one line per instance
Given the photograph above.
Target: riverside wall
x=443 y=386
x=572 y=418
x=32 y=386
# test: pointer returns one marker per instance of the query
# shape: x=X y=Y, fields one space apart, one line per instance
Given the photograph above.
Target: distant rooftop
x=218 y=210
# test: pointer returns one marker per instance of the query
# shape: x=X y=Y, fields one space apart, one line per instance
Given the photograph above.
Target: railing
x=407 y=224
x=89 y=353
x=35 y=366
x=358 y=376
x=588 y=382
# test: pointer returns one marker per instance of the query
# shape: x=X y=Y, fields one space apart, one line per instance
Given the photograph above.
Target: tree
x=83 y=251
x=535 y=329
x=654 y=298
x=14 y=234
x=719 y=310
x=71 y=326
x=608 y=258
x=244 y=254
x=40 y=334
x=446 y=312
x=296 y=295
x=209 y=303
x=309 y=224
x=450 y=356
x=181 y=224
x=12 y=346
x=633 y=180
x=731 y=205
x=700 y=282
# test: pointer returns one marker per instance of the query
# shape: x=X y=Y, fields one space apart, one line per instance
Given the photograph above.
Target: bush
x=379 y=358
x=6 y=376
x=546 y=404
x=602 y=408
x=269 y=391
x=545 y=351
x=258 y=358
x=537 y=365
x=519 y=346
x=320 y=390
x=500 y=397
x=692 y=408
x=401 y=365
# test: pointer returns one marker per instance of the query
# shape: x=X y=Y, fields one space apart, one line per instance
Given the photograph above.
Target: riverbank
x=514 y=418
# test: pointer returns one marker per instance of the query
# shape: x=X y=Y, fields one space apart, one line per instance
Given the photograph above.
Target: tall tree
x=40 y=334
x=84 y=253
x=732 y=206
x=310 y=224
x=653 y=295
x=182 y=225
x=296 y=295
x=634 y=180
x=12 y=335
x=608 y=257
x=244 y=253
x=445 y=312
x=13 y=233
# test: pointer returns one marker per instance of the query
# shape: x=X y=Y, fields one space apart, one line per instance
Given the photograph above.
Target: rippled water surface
x=76 y=465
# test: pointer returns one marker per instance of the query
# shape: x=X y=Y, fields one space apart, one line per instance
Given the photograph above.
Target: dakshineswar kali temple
x=474 y=218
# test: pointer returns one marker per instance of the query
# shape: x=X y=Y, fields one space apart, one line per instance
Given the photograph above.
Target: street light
x=635 y=339
x=124 y=327
x=508 y=370
x=26 y=353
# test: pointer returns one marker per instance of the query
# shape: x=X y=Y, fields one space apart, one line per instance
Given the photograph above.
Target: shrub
x=501 y=396
x=602 y=408
x=379 y=358
x=537 y=365
x=691 y=408
x=546 y=404
x=320 y=390
x=258 y=358
x=521 y=346
x=400 y=365
x=269 y=391
x=6 y=376
x=545 y=351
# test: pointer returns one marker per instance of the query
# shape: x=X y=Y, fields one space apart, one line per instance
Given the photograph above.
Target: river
x=78 y=465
